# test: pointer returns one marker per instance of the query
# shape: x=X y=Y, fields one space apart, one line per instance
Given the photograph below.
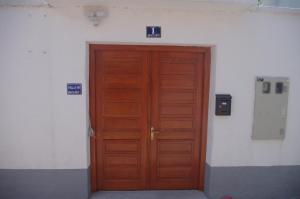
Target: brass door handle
x=153 y=132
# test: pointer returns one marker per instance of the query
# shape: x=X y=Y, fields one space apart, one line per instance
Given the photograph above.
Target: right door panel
x=177 y=90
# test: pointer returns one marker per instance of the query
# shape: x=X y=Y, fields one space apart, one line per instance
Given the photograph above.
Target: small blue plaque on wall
x=153 y=31
x=74 y=88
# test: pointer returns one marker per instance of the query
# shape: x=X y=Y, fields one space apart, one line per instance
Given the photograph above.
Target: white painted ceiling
x=23 y=2
x=88 y=2
x=272 y=3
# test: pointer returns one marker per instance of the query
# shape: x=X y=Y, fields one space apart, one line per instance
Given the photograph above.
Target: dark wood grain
x=176 y=115
x=133 y=88
x=121 y=119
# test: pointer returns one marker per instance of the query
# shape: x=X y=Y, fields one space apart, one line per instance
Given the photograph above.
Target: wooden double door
x=148 y=108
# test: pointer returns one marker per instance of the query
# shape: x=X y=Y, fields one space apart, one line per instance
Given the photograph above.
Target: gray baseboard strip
x=278 y=182
x=44 y=184
x=255 y=182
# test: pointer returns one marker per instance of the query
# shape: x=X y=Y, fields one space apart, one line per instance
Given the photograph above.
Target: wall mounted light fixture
x=95 y=14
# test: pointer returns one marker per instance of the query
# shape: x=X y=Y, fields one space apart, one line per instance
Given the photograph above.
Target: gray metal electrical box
x=270 y=109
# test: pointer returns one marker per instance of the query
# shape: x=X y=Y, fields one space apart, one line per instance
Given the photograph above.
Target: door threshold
x=150 y=194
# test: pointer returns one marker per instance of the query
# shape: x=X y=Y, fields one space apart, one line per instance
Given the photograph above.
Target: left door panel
x=121 y=119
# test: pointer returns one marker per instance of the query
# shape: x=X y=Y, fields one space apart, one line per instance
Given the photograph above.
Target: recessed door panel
x=121 y=119
x=175 y=117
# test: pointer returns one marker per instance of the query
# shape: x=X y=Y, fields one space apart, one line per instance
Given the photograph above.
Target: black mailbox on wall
x=223 y=104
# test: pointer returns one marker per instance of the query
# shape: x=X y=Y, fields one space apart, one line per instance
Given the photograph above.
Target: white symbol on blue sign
x=153 y=31
x=74 y=88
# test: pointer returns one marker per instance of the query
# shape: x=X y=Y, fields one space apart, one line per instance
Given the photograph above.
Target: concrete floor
x=165 y=194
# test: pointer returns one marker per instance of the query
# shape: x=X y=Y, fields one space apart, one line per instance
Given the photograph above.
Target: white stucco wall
x=41 y=49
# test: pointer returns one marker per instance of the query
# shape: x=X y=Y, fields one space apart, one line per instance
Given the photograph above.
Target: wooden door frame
x=206 y=85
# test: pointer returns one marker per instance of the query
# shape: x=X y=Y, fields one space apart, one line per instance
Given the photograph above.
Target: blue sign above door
x=153 y=31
